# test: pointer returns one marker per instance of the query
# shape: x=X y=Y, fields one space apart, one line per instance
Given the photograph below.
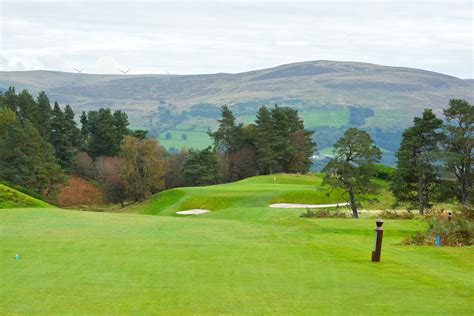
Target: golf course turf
x=241 y=258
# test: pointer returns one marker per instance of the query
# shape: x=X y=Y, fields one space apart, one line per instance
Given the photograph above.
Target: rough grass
x=10 y=198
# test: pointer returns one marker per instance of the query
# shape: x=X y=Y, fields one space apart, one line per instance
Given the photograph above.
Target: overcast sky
x=234 y=36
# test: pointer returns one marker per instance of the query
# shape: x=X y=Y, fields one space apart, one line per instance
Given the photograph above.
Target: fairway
x=101 y=263
x=243 y=257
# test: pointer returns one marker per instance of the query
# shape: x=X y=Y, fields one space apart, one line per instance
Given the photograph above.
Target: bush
x=452 y=233
x=395 y=215
x=323 y=213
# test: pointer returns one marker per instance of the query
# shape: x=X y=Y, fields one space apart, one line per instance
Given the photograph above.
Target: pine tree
x=60 y=139
x=72 y=131
x=85 y=130
x=265 y=142
x=459 y=145
x=102 y=132
x=201 y=167
x=353 y=166
x=27 y=107
x=27 y=160
x=9 y=99
x=44 y=115
x=416 y=175
x=228 y=137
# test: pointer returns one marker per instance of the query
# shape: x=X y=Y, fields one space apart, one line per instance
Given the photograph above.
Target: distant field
x=389 y=118
x=242 y=258
x=327 y=151
x=195 y=139
x=314 y=118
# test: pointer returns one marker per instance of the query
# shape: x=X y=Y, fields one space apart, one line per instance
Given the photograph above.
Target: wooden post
x=376 y=252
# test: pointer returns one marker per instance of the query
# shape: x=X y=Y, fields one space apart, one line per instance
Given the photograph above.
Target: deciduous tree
x=143 y=167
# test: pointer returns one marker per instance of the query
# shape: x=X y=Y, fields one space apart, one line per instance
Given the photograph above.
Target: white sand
x=292 y=205
x=193 y=211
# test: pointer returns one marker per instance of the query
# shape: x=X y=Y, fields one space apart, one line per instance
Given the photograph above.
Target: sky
x=192 y=37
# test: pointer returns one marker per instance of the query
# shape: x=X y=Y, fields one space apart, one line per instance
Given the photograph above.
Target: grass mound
x=11 y=198
x=254 y=192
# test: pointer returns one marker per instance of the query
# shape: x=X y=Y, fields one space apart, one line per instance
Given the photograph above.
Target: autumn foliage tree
x=143 y=167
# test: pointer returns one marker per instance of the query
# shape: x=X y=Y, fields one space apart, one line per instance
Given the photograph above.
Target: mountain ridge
x=325 y=93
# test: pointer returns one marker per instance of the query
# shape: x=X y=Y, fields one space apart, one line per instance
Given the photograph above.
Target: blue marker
x=437 y=240
x=17 y=256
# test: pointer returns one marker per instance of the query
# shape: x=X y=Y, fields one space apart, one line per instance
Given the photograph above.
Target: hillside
x=326 y=93
x=11 y=198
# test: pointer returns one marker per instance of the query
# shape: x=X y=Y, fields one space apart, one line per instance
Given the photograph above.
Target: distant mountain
x=326 y=93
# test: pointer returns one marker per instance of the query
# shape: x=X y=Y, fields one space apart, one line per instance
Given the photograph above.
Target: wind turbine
x=125 y=71
x=79 y=70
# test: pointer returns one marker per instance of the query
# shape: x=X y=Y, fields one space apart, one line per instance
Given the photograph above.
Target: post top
x=379 y=222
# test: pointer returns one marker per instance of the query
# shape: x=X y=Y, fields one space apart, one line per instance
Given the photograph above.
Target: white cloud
x=234 y=36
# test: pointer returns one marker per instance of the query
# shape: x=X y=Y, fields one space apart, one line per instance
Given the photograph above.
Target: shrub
x=396 y=215
x=452 y=233
x=323 y=213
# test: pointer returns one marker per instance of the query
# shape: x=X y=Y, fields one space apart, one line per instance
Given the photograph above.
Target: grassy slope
x=251 y=193
x=10 y=198
x=245 y=258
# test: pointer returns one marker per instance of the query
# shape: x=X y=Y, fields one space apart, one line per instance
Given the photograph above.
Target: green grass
x=313 y=118
x=195 y=139
x=242 y=258
x=254 y=192
x=10 y=198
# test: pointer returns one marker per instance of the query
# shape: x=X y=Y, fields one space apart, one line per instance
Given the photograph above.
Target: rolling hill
x=326 y=93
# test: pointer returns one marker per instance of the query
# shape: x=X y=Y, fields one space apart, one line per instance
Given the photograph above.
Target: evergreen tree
x=282 y=147
x=228 y=137
x=7 y=117
x=201 y=167
x=265 y=142
x=27 y=107
x=85 y=133
x=44 y=115
x=103 y=131
x=353 y=166
x=27 y=160
x=9 y=99
x=72 y=131
x=459 y=145
x=121 y=125
x=416 y=175
x=60 y=139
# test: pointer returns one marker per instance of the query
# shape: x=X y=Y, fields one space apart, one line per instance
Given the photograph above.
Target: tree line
x=434 y=161
x=40 y=144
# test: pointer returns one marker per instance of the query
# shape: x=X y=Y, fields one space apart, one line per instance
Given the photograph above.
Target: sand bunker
x=292 y=205
x=193 y=211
